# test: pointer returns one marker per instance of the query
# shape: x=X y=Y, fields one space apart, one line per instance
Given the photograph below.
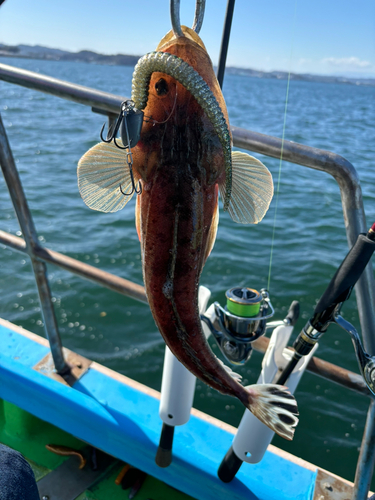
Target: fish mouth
x=189 y=35
x=187 y=76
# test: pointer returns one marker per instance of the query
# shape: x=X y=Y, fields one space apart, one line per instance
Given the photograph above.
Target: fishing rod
x=225 y=42
x=327 y=311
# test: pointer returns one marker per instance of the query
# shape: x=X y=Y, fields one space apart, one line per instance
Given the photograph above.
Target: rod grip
x=164 y=452
x=347 y=274
x=229 y=466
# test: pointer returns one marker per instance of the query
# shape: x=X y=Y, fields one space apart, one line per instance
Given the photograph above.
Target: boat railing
x=109 y=104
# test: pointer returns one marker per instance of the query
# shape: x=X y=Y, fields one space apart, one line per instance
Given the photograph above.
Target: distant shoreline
x=87 y=56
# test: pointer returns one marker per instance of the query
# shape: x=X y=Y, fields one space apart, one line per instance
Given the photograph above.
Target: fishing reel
x=239 y=323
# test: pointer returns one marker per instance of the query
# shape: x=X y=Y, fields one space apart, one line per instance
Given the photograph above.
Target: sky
x=327 y=37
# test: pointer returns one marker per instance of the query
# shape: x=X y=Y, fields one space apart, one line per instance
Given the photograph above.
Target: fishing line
x=282 y=147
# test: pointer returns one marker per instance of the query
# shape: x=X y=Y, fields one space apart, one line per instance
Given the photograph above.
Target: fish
x=182 y=161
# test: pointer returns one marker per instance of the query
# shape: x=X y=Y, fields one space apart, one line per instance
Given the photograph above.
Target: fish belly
x=176 y=214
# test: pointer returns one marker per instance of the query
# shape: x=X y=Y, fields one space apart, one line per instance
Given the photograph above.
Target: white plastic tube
x=178 y=384
x=252 y=438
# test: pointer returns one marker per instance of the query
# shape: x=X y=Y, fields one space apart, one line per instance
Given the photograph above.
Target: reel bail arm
x=365 y=361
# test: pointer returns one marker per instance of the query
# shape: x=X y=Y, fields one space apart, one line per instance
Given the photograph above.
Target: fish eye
x=161 y=87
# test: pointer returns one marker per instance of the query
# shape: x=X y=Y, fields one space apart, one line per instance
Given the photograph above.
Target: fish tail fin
x=275 y=406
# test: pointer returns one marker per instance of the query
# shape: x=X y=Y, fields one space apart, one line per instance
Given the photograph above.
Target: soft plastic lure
x=66 y=451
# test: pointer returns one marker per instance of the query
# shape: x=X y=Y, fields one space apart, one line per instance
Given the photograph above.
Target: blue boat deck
x=120 y=416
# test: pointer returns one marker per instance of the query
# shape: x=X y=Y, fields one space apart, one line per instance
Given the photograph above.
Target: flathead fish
x=183 y=160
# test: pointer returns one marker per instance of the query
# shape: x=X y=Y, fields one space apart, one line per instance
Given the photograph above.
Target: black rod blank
x=225 y=42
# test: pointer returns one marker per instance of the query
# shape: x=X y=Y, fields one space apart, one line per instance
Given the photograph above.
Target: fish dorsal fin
x=101 y=171
x=252 y=189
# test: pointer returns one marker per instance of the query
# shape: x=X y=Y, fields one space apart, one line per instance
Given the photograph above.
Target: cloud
x=347 y=62
x=303 y=60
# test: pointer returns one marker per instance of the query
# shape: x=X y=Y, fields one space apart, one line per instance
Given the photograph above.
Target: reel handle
x=293 y=313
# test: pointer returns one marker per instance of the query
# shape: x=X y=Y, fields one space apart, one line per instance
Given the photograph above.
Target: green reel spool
x=243 y=302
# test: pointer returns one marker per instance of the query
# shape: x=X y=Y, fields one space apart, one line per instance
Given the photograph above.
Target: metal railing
x=109 y=104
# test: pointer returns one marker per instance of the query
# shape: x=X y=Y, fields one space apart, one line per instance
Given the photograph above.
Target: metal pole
x=60 y=88
x=366 y=459
x=225 y=42
x=27 y=226
x=352 y=205
x=115 y=283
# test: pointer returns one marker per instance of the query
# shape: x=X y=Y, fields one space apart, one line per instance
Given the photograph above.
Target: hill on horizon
x=91 y=57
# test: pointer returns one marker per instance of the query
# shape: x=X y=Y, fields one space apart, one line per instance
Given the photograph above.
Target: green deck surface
x=28 y=434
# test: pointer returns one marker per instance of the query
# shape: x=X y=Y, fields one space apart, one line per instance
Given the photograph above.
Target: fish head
x=175 y=125
x=185 y=140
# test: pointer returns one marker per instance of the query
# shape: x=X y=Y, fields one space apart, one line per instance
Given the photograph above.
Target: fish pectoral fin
x=252 y=189
x=101 y=171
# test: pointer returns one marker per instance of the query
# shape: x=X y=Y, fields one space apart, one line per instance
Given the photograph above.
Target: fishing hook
x=175 y=16
x=134 y=188
x=129 y=156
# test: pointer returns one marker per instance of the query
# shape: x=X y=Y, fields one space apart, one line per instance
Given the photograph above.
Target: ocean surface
x=49 y=135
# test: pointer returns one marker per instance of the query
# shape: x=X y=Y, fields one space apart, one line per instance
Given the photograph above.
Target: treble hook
x=129 y=160
x=134 y=188
x=112 y=136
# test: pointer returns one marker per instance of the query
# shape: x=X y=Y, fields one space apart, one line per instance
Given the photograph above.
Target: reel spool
x=242 y=321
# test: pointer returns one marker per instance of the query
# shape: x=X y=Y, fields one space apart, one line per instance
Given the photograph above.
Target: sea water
x=49 y=135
